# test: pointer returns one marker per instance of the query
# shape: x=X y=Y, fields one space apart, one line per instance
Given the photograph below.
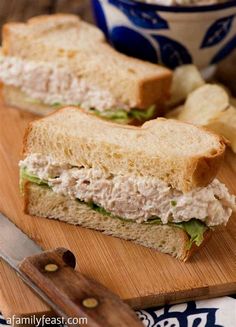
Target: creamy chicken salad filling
x=133 y=197
x=55 y=85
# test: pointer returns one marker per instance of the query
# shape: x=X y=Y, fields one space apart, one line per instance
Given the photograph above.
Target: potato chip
x=225 y=124
x=204 y=104
x=186 y=79
x=212 y=107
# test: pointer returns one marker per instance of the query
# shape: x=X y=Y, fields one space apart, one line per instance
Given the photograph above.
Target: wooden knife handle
x=73 y=293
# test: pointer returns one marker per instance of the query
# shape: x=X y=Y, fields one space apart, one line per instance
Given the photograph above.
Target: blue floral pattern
x=171 y=317
x=227 y=48
x=2 y=321
x=100 y=17
x=217 y=31
x=148 y=19
x=151 y=32
x=173 y=53
x=140 y=46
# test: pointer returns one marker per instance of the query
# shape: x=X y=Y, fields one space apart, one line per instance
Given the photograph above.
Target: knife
x=52 y=276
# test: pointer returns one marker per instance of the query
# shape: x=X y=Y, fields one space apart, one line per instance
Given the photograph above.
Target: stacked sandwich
x=58 y=60
x=154 y=185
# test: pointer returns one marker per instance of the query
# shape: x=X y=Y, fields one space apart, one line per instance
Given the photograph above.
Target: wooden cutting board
x=140 y=276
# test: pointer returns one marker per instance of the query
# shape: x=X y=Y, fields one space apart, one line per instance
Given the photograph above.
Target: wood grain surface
x=140 y=276
x=73 y=293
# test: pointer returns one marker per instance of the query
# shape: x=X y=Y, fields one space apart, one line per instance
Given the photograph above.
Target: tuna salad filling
x=135 y=198
x=56 y=86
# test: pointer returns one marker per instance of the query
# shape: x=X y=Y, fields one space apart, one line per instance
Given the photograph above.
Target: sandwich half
x=58 y=60
x=154 y=185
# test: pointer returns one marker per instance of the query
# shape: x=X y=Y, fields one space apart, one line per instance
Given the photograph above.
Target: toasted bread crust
x=207 y=167
x=194 y=248
x=41 y=23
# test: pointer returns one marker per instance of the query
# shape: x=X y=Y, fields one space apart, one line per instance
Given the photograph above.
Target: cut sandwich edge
x=41 y=201
x=152 y=86
x=16 y=98
x=196 y=171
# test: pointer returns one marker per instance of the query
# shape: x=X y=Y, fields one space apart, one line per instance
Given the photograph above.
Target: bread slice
x=186 y=79
x=183 y=155
x=14 y=97
x=41 y=201
x=82 y=49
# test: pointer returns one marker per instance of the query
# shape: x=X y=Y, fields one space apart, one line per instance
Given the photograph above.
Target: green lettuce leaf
x=56 y=105
x=124 y=117
x=143 y=115
x=194 y=227
x=153 y=221
x=25 y=175
x=119 y=116
x=33 y=101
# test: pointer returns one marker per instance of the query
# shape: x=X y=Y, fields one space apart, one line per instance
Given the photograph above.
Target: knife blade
x=52 y=276
x=12 y=236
